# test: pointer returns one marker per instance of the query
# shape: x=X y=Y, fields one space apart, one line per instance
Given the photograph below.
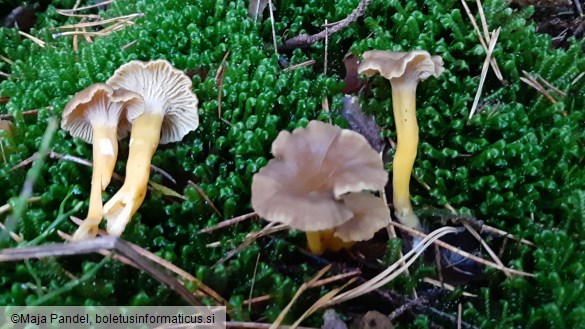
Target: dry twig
x=29 y=112
x=405 y=307
x=305 y=40
x=205 y=290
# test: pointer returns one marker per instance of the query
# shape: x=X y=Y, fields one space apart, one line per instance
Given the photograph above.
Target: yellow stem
x=320 y=241
x=144 y=139
x=314 y=243
x=105 y=152
x=404 y=105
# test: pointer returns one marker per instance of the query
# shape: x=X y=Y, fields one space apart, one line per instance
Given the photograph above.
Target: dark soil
x=562 y=19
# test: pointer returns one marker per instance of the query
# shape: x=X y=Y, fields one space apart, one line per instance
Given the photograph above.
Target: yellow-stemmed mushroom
x=318 y=182
x=404 y=70
x=169 y=113
x=99 y=115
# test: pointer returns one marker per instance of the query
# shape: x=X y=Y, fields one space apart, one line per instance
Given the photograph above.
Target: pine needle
x=7 y=60
x=101 y=22
x=484 y=45
x=33 y=39
x=205 y=197
x=303 y=64
x=267 y=230
x=463 y=253
x=395 y=269
x=298 y=294
x=532 y=82
x=484 y=70
x=323 y=302
x=272 y=26
x=69 y=11
x=446 y=286
x=489 y=250
x=228 y=222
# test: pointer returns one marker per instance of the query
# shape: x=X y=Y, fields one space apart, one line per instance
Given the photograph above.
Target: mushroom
x=169 y=113
x=99 y=114
x=309 y=185
x=370 y=214
x=404 y=70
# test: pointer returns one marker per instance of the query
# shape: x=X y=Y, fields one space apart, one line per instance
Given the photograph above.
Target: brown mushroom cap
x=313 y=167
x=165 y=90
x=370 y=214
x=99 y=104
x=409 y=67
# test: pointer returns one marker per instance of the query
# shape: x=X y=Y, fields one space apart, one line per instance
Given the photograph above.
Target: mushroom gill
x=99 y=115
x=169 y=113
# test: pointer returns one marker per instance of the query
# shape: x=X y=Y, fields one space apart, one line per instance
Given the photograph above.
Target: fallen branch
x=205 y=291
x=95 y=245
x=29 y=112
x=305 y=40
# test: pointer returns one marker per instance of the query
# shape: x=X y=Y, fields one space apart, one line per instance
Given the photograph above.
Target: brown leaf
x=353 y=83
x=362 y=123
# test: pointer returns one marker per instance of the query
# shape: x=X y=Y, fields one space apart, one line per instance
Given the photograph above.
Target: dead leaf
x=362 y=123
x=353 y=83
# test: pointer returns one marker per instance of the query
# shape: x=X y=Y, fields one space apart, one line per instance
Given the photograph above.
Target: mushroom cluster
x=100 y=115
x=321 y=181
x=151 y=100
x=404 y=70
